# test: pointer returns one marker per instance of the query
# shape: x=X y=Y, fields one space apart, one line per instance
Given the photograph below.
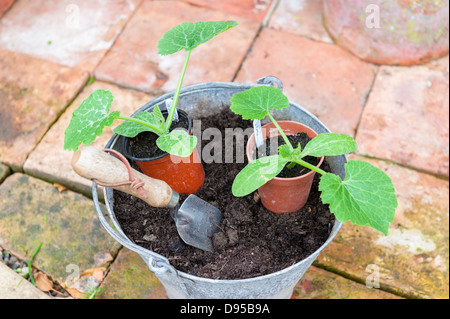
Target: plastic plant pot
x=185 y=175
x=284 y=195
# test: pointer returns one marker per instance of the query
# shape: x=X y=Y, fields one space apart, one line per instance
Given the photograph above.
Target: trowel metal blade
x=197 y=221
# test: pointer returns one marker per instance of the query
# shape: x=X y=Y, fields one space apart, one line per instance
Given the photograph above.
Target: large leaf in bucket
x=255 y=103
x=366 y=196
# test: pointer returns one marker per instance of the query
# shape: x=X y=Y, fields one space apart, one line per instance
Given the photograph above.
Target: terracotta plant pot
x=395 y=32
x=284 y=195
x=184 y=175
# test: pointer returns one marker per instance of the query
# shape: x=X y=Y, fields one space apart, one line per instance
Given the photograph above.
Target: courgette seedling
x=366 y=196
x=93 y=115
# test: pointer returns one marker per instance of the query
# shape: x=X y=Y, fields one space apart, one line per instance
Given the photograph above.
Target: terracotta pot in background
x=284 y=195
x=395 y=32
x=184 y=175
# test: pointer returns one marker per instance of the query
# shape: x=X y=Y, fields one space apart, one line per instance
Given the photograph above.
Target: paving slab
x=13 y=286
x=5 y=5
x=302 y=18
x=33 y=212
x=51 y=162
x=317 y=283
x=406 y=117
x=133 y=60
x=252 y=9
x=323 y=78
x=130 y=278
x=33 y=93
x=72 y=33
x=413 y=259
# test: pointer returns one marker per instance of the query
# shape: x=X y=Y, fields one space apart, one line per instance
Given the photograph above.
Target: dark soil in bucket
x=251 y=241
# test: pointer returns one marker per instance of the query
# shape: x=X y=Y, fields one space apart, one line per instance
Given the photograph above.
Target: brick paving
x=142 y=68
x=50 y=49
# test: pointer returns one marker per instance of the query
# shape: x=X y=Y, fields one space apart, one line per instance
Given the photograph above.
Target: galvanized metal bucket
x=204 y=100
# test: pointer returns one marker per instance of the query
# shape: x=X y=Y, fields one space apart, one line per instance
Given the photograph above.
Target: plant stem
x=177 y=93
x=298 y=161
x=132 y=119
x=291 y=165
x=286 y=140
x=310 y=166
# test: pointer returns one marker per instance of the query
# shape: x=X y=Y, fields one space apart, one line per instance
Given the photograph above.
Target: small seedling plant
x=366 y=196
x=93 y=115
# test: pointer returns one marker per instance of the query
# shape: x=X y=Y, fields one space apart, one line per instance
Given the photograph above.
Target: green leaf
x=131 y=129
x=256 y=174
x=89 y=119
x=255 y=103
x=285 y=151
x=177 y=142
x=189 y=35
x=329 y=144
x=366 y=197
x=158 y=115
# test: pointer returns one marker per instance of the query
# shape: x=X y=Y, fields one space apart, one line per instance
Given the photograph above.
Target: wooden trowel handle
x=95 y=165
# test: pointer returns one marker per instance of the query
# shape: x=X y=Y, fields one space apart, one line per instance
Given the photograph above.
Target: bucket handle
x=270 y=80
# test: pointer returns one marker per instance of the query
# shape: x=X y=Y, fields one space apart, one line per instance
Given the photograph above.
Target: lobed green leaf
x=285 y=151
x=131 y=129
x=255 y=103
x=256 y=174
x=89 y=120
x=188 y=35
x=177 y=142
x=329 y=144
x=366 y=196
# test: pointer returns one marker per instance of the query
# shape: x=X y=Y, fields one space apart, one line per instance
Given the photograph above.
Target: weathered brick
x=252 y=9
x=15 y=287
x=130 y=278
x=406 y=117
x=33 y=93
x=302 y=18
x=326 y=80
x=320 y=284
x=413 y=259
x=72 y=33
x=33 y=212
x=133 y=61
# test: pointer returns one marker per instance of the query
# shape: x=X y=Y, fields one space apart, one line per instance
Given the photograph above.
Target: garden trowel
x=195 y=219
